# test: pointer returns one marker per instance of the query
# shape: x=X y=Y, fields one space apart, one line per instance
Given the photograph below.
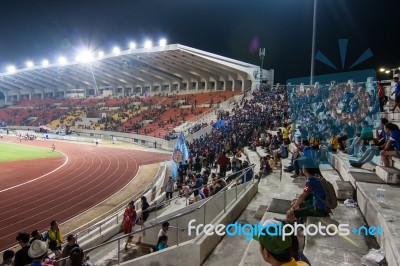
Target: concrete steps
x=388 y=174
x=383 y=212
x=334 y=250
x=231 y=250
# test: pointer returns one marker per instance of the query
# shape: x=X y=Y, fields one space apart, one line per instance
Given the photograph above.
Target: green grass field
x=12 y=152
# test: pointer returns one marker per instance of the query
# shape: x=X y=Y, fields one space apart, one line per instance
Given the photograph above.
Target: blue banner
x=180 y=154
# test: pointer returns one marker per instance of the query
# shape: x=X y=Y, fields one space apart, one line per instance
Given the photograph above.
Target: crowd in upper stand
x=150 y=115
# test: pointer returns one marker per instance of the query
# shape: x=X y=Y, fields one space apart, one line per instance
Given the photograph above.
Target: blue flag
x=219 y=124
x=180 y=154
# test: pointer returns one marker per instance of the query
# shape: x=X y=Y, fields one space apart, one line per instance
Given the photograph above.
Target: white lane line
x=40 y=177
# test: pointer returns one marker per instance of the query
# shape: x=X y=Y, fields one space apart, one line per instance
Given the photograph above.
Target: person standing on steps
x=169 y=188
x=396 y=92
x=129 y=222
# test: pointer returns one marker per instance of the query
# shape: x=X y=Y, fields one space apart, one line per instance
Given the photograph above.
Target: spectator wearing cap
x=273 y=248
x=21 y=256
x=38 y=252
x=396 y=92
x=8 y=256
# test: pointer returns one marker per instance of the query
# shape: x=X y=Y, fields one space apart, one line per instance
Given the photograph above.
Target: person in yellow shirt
x=273 y=249
x=55 y=238
x=285 y=134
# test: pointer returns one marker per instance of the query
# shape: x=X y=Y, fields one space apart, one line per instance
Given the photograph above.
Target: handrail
x=193 y=190
x=244 y=172
x=135 y=197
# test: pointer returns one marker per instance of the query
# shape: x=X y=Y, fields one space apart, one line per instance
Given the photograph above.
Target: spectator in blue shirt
x=162 y=242
x=392 y=147
x=396 y=92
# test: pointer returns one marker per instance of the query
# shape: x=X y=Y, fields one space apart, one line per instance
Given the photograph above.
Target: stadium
x=164 y=154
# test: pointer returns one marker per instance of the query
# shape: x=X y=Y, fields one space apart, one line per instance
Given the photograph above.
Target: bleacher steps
x=335 y=250
x=343 y=189
x=395 y=162
x=391 y=116
x=388 y=174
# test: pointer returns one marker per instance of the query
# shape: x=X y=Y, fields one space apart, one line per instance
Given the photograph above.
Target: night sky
x=47 y=29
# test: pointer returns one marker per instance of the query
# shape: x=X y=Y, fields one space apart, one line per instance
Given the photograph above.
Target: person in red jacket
x=381 y=96
x=223 y=161
x=128 y=222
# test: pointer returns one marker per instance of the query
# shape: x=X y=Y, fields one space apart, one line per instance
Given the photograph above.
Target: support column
x=197 y=85
x=30 y=96
x=141 y=90
x=150 y=89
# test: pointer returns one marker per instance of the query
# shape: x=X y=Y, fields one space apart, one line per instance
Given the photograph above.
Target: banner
x=180 y=154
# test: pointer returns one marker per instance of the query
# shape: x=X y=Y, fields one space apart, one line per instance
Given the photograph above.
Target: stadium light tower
x=132 y=45
x=29 y=64
x=313 y=42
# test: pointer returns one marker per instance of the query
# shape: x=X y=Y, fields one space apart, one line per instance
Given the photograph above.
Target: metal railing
x=98 y=226
x=233 y=184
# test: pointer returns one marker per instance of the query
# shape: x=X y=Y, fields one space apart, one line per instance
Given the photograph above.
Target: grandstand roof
x=168 y=64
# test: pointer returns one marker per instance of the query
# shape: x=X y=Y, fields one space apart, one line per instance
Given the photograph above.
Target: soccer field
x=14 y=152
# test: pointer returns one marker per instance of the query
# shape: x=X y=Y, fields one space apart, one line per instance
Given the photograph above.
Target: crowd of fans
x=326 y=121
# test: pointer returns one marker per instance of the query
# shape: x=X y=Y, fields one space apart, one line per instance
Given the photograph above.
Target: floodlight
x=163 y=42
x=132 y=45
x=62 y=60
x=101 y=54
x=11 y=69
x=116 y=50
x=382 y=69
x=85 y=57
x=45 y=63
x=148 y=44
x=387 y=71
x=29 y=64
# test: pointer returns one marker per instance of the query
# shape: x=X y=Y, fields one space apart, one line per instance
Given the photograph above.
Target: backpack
x=330 y=195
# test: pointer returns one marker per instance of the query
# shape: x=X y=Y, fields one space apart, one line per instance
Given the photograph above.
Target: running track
x=89 y=175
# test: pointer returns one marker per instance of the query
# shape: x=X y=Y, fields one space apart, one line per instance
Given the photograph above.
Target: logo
x=283 y=230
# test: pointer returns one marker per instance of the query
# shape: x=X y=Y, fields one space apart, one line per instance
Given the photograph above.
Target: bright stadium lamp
x=382 y=69
x=45 y=63
x=62 y=60
x=132 y=45
x=86 y=57
x=116 y=50
x=148 y=44
x=101 y=54
x=29 y=64
x=11 y=69
x=163 y=42
x=387 y=71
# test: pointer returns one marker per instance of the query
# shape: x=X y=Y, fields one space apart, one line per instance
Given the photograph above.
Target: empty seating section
x=155 y=115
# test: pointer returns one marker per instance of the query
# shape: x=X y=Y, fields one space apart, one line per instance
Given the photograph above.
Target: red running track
x=30 y=198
